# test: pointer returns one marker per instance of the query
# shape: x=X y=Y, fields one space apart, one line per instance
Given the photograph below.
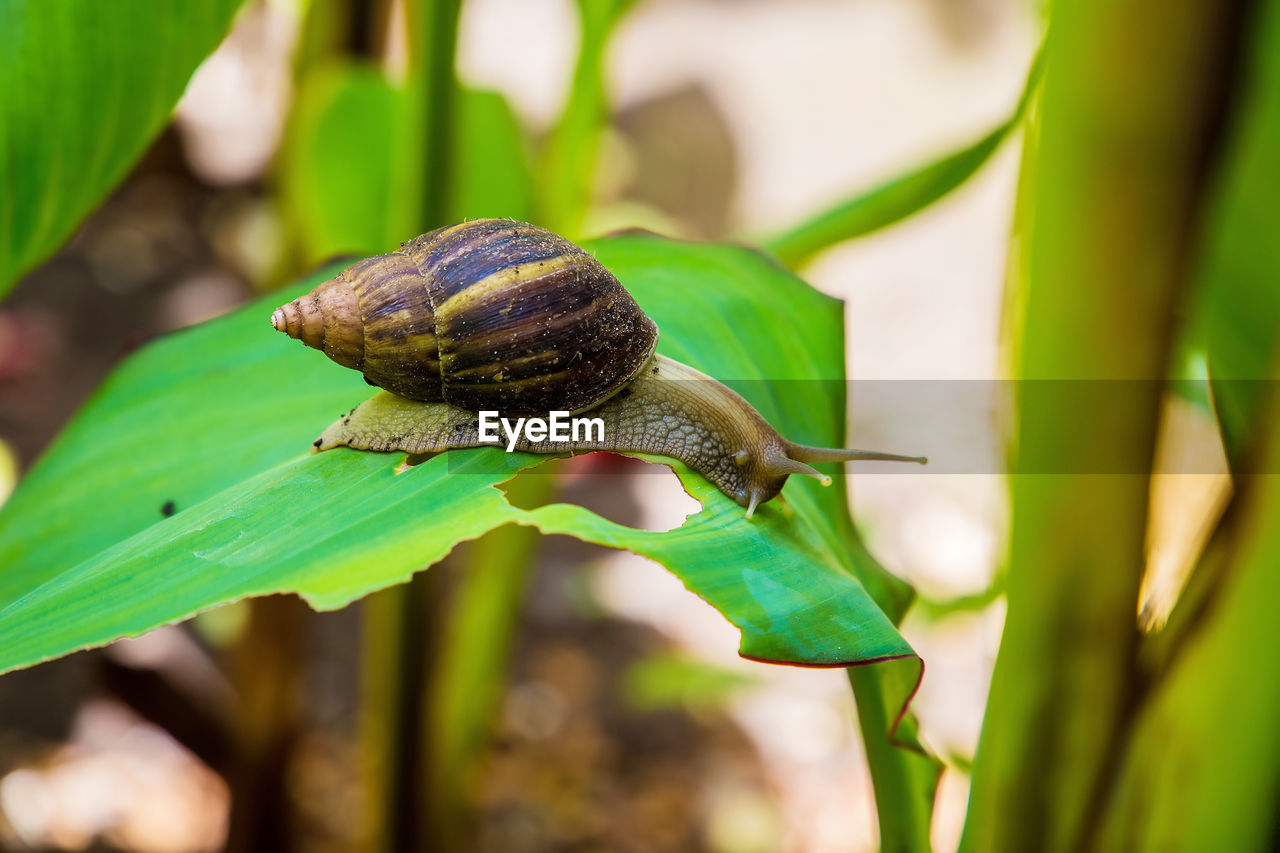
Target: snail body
x=505 y=316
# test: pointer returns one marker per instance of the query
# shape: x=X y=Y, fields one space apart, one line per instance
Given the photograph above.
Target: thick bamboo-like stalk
x=1126 y=124
x=1199 y=770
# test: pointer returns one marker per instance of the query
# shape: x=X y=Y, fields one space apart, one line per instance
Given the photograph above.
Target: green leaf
x=663 y=681
x=85 y=86
x=898 y=197
x=218 y=420
x=345 y=181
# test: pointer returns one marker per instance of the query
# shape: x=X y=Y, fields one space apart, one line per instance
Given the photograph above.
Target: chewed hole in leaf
x=638 y=494
x=411 y=461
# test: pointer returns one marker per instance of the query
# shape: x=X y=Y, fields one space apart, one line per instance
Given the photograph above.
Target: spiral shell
x=487 y=314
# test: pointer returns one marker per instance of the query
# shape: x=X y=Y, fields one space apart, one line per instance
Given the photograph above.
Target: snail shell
x=487 y=314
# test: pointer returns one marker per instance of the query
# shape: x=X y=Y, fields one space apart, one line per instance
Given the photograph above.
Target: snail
x=497 y=315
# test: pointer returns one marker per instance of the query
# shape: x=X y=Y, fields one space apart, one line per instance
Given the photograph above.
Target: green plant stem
x=436 y=651
x=569 y=161
x=433 y=86
x=899 y=197
x=405 y=806
x=266 y=669
x=1200 y=758
x=340 y=28
x=904 y=777
x=483 y=613
x=1126 y=121
x=399 y=646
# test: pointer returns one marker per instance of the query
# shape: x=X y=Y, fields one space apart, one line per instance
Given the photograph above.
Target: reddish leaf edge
x=906 y=704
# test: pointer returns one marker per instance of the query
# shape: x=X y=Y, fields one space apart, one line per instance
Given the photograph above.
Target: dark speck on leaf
x=655 y=370
x=317 y=442
x=168 y=508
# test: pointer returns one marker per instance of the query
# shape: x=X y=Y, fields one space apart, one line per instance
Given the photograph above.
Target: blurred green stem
x=266 y=668
x=340 y=28
x=405 y=805
x=569 y=160
x=483 y=614
x=1199 y=770
x=1126 y=121
x=433 y=86
x=396 y=652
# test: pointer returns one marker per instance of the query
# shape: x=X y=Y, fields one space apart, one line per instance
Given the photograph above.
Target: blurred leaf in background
x=1236 y=301
x=567 y=166
x=344 y=163
x=899 y=197
x=492 y=164
x=340 y=184
x=671 y=681
x=85 y=86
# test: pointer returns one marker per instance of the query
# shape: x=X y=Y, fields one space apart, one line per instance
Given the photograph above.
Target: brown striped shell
x=487 y=314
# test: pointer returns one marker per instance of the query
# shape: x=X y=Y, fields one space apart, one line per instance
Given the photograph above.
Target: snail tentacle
x=806 y=453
